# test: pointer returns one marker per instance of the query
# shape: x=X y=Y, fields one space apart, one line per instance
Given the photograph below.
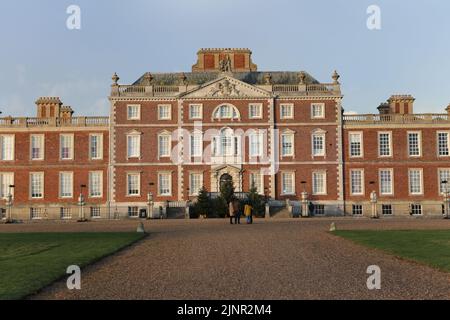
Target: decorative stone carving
x=182 y=79
x=335 y=77
x=301 y=78
x=268 y=79
x=148 y=78
x=115 y=78
x=225 y=64
x=224 y=89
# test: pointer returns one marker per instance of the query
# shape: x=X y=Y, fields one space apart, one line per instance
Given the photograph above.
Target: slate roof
x=199 y=78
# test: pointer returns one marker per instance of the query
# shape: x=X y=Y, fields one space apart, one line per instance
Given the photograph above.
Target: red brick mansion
x=169 y=134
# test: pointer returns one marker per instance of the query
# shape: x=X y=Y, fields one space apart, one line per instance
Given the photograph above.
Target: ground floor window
x=66 y=213
x=319 y=209
x=95 y=212
x=416 y=209
x=36 y=213
x=357 y=209
x=386 y=209
x=133 y=212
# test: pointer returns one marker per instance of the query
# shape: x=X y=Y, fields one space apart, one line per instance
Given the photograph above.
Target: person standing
x=231 y=211
x=237 y=212
x=248 y=213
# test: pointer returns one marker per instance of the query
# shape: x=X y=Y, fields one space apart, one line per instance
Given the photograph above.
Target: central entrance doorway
x=225 y=178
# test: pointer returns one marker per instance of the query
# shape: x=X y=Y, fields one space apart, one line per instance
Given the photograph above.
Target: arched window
x=226 y=111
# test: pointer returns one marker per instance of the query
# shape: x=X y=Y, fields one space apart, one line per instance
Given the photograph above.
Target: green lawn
x=30 y=261
x=431 y=247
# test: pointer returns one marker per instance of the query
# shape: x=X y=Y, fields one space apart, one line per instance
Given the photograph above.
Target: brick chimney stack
x=401 y=104
x=48 y=107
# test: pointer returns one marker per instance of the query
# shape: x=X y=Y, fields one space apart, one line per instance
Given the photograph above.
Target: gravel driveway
x=276 y=259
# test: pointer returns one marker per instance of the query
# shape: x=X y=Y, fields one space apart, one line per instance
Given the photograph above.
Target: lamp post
x=81 y=204
x=304 y=200
x=267 y=205
x=150 y=202
x=9 y=204
x=446 y=199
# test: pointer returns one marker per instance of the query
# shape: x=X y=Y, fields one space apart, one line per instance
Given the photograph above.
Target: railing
x=139 y=91
x=396 y=118
x=309 y=89
x=55 y=122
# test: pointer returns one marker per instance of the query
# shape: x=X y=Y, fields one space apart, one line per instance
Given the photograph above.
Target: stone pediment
x=226 y=87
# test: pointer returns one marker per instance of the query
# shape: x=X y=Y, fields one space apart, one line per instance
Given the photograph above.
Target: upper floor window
x=357 y=182
x=443 y=143
x=66 y=146
x=444 y=180
x=287 y=144
x=134 y=112
x=195 y=183
x=133 y=184
x=6 y=180
x=133 y=145
x=318 y=110
x=386 y=181
x=414 y=144
x=195 y=111
x=95 y=184
x=318 y=144
x=286 y=111
x=164 y=184
x=37 y=147
x=164 y=112
x=356 y=144
x=226 y=144
x=255 y=111
x=164 y=144
x=288 y=183
x=7 y=147
x=226 y=111
x=256 y=141
x=96 y=146
x=66 y=184
x=196 y=144
x=415 y=181
x=319 y=183
x=384 y=144
x=37 y=185
x=257 y=181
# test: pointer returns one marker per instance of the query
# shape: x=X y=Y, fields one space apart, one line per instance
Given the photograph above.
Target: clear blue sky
x=39 y=56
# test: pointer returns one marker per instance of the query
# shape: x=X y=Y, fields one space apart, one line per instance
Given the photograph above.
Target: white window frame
x=70 y=186
x=129 y=175
x=192 y=190
x=253 y=177
x=440 y=185
x=324 y=183
x=391 y=170
x=164 y=135
x=389 y=133
x=322 y=108
x=41 y=147
x=194 y=150
x=287 y=105
x=259 y=108
x=363 y=188
x=292 y=135
x=5 y=183
x=324 y=144
x=71 y=147
x=421 y=182
x=292 y=175
x=419 y=143
x=256 y=138
x=12 y=149
x=438 y=146
x=163 y=106
x=200 y=106
x=138 y=152
x=138 y=112
x=361 y=143
x=169 y=193
x=100 y=186
x=42 y=175
x=99 y=146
